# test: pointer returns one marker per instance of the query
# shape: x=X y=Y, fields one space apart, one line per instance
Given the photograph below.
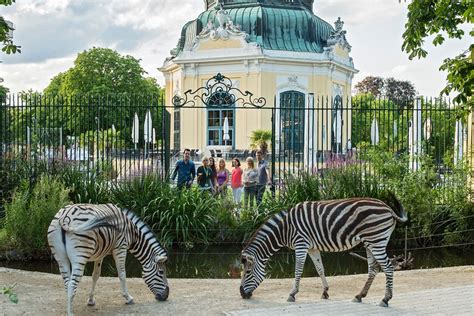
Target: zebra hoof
x=357 y=300
x=91 y=302
x=325 y=295
x=383 y=303
x=290 y=299
x=130 y=302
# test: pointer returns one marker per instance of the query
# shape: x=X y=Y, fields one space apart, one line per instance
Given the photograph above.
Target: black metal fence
x=128 y=136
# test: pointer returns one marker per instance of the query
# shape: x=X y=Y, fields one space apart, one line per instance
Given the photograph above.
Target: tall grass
x=31 y=211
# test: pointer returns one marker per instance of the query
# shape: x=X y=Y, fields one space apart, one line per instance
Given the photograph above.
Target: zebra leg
x=300 y=254
x=318 y=263
x=380 y=255
x=95 y=277
x=120 y=256
x=76 y=275
x=58 y=250
x=373 y=269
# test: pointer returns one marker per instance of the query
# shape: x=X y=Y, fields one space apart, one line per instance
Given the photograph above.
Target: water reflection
x=224 y=262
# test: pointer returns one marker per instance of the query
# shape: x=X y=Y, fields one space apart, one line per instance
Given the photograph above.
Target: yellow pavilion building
x=275 y=49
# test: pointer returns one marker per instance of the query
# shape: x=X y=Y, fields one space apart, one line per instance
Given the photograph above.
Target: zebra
x=81 y=233
x=328 y=226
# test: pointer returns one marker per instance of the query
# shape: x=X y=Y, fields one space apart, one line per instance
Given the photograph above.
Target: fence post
x=406 y=241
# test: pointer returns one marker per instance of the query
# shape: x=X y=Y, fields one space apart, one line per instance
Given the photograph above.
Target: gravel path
x=43 y=294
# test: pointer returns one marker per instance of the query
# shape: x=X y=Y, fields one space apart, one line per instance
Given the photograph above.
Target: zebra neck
x=270 y=238
x=143 y=242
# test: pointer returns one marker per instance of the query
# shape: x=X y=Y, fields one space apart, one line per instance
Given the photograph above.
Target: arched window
x=219 y=107
x=292 y=104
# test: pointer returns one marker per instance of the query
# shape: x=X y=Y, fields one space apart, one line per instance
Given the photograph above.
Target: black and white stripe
x=86 y=232
x=332 y=226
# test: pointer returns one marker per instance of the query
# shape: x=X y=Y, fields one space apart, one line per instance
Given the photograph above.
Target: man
x=185 y=170
x=263 y=176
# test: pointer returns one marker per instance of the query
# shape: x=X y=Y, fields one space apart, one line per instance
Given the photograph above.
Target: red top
x=236 y=181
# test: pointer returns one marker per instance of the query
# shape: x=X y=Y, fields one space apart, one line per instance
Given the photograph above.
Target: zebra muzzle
x=164 y=296
x=243 y=294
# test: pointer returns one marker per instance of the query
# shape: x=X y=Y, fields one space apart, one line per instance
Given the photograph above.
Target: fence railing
x=127 y=136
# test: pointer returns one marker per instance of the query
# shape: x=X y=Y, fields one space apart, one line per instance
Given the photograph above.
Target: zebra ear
x=247 y=258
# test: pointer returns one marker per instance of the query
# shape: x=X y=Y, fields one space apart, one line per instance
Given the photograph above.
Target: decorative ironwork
x=218 y=92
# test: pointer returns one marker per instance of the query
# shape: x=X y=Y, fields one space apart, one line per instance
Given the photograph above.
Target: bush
x=31 y=211
x=83 y=187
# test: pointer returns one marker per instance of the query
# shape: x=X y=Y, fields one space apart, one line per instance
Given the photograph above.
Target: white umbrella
x=337 y=128
x=458 y=143
x=428 y=128
x=395 y=129
x=153 y=138
x=226 y=130
x=374 y=132
x=136 y=130
x=147 y=128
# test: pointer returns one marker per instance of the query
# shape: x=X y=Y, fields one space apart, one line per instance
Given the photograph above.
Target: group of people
x=250 y=181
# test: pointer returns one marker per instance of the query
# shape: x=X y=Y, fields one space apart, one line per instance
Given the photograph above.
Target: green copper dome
x=287 y=25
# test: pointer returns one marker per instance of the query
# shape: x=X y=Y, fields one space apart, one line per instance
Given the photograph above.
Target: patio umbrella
x=153 y=138
x=458 y=143
x=374 y=132
x=148 y=128
x=428 y=128
x=135 y=130
x=337 y=129
x=395 y=129
x=225 y=129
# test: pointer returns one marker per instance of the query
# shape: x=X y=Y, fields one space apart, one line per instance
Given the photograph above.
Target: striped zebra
x=312 y=227
x=86 y=232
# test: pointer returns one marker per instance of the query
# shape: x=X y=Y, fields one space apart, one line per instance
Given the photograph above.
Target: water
x=223 y=262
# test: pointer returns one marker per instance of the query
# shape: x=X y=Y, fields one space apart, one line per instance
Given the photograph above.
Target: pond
x=223 y=262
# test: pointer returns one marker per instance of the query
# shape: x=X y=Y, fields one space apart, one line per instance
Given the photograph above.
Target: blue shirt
x=185 y=171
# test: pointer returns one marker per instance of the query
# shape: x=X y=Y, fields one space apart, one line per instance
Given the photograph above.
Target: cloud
x=53 y=32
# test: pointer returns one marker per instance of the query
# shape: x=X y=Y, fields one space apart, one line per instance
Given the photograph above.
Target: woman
x=212 y=165
x=222 y=178
x=204 y=178
x=250 y=183
x=236 y=182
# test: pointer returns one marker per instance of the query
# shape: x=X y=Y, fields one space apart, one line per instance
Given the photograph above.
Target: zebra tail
x=398 y=212
x=89 y=225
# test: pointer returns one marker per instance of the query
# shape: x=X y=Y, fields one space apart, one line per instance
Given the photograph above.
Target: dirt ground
x=44 y=294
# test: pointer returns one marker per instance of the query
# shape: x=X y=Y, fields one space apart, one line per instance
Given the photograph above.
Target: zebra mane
x=142 y=226
x=274 y=218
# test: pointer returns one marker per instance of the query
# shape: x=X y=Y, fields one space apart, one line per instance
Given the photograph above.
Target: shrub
x=83 y=187
x=31 y=211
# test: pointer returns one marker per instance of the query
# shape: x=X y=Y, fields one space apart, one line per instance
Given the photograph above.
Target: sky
x=52 y=33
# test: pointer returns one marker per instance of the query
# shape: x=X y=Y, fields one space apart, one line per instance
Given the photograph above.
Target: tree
x=103 y=71
x=6 y=30
x=372 y=85
x=399 y=91
x=441 y=18
x=260 y=139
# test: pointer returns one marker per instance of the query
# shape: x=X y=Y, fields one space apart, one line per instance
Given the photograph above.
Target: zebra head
x=253 y=274
x=154 y=274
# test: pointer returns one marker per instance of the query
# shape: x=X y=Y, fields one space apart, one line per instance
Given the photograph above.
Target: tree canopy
x=103 y=71
x=399 y=91
x=6 y=32
x=441 y=18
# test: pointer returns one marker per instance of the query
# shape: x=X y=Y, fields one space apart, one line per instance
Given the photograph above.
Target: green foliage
x=399 y=91
x=31 y=211
x=84 y=188
x=439 y=18
x=6 y=30
x=260 y=139
x=8 y=291
x=176 y=216
x=304 y=186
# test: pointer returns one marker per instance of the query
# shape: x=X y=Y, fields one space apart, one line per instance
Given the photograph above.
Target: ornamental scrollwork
x=218 y=92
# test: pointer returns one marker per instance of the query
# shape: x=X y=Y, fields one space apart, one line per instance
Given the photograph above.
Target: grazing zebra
x=311 y=227
x=85 y=232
